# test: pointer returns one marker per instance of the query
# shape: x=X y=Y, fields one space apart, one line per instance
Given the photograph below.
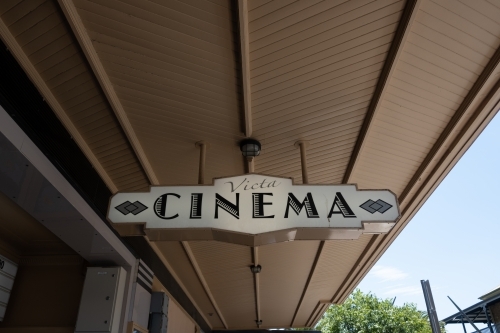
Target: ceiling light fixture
x=250 y=147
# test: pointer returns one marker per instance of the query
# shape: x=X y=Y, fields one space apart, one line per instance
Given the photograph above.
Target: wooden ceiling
x=388 y=94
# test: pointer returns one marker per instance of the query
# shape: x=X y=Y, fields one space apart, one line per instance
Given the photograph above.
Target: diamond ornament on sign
x=128 y=207
x=376 y=206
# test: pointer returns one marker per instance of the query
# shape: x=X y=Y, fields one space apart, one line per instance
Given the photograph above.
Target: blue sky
x=453 y=241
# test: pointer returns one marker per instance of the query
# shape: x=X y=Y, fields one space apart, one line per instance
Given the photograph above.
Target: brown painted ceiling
x=388 y=94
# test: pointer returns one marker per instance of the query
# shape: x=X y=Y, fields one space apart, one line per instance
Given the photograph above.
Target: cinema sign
x=255 y=209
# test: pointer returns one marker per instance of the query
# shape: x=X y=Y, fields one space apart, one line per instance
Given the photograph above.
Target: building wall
x=45 y=296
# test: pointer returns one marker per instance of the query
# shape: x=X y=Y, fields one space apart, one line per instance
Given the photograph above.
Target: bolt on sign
x=256 y=209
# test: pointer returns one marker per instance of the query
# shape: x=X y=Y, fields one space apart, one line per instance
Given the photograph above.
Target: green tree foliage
x=365 y=313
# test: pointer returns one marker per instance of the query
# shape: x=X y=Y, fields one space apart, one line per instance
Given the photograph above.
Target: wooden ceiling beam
x=451 y=150
x=74 y=20
x=409 y=13
x=439 y=145
x=358 y=266
x=357 y=272
x=308 y=282
x=49 y=97
x=477 y=122
x=367 y=259
x=322 y=307
x=156 y=250
x=204 y=283
x=245 y=64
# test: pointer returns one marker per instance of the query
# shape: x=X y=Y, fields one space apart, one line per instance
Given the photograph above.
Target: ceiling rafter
x=409 y=13
x=345 y=286
x=360 y=269
x=49 y=97
x=453 y=123
x=365 y=260
x=199 y=274
x=164 y=260
x=308 y=282
x=352 y=278
x=452 y=151
x=245 y=64
x=314 y=313
x=74 y=20
x=318 y=313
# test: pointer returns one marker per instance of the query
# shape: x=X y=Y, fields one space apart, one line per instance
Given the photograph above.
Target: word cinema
x=254 y=204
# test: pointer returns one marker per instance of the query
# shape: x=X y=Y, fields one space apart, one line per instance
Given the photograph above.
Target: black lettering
x=161 y=206
x=273 y=184
x=196 y=201
x=342 y=205
x=232 y=186
x=258 y=205
x=228 y=206
x=297 y=206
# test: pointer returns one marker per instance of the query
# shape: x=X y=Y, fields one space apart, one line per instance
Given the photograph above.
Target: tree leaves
x=366 y=313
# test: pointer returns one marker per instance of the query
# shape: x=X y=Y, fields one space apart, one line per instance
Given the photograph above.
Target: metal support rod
x=255 y=255
x=463 y=325
x=251 y=164
x=303 y=159
x=488 y=318
x=203 y=151
x=479 y=313
x=464 y=315
x=431 y=308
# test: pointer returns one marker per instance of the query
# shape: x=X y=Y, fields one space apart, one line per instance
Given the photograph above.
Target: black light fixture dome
x=250 y=147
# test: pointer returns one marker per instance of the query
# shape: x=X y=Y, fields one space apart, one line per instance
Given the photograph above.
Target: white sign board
x=254 y=204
